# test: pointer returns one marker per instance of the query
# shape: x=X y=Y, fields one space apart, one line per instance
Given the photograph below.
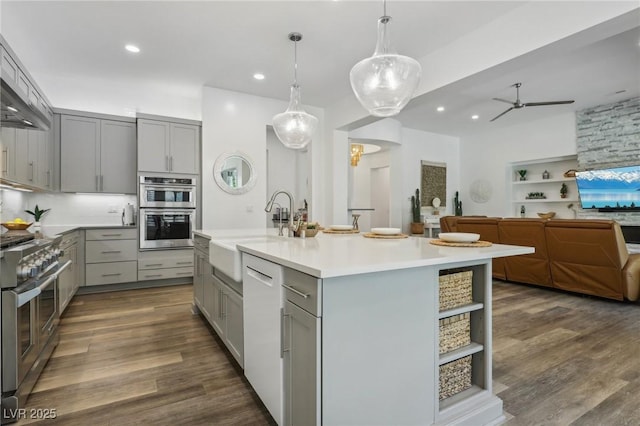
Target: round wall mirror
x=234 y=173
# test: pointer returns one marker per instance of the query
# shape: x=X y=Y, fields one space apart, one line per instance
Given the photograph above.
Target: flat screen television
x=610 y=189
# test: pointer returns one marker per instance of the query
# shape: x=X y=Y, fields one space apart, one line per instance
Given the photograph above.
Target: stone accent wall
x=609 y=136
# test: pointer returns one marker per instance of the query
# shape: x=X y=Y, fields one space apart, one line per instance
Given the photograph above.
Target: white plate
x=459 y=237
x=341 y=227
x=385 y=231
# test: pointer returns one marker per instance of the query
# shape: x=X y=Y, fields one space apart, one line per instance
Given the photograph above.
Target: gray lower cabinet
x=111 y=256
x=301 y=366
x=68 y=280
x=226 y=316
x=163 y=264
x=97 y=155
x=200 y=260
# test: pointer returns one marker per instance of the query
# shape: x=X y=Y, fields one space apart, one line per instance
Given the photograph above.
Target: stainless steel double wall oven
x=167 y=212
x=29 y=273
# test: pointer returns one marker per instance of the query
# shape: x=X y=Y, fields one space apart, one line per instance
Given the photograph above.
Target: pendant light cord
x=295 y=62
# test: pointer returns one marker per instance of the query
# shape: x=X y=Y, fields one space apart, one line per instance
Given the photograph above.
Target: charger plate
x=333 y=231
x=387 y=237
x=474 y=244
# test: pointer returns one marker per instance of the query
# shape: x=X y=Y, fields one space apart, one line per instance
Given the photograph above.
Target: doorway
x=380 y=198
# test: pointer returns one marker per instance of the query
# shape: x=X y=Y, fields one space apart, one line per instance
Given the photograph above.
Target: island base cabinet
x=301 y=367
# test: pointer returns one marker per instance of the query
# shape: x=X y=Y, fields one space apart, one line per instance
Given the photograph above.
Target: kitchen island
x=342 y=329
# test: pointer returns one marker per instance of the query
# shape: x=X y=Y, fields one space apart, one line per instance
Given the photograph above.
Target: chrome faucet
x=269 y=206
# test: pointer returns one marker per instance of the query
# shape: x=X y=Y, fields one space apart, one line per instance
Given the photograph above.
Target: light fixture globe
x=295 y=126
x=385 y=82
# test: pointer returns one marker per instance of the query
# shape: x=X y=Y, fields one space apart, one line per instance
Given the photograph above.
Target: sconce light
x=356 y=152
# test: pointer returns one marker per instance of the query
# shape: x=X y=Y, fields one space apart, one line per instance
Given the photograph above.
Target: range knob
x=23 y=272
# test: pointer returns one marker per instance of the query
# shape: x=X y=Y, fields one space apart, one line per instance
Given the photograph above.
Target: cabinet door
x=22 y=156
x=65 y=282
x=197 y=280
x=33 y=137
x=45 y=154
x=232 y=314
x=215 y=302
x=8 y=137
x=117 y=157
x=79 y=154
x=301 y=366
x=185 y=147
x=153 y=143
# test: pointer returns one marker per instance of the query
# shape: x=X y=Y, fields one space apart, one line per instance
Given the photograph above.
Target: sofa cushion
x=487 y=227
x=530 y=268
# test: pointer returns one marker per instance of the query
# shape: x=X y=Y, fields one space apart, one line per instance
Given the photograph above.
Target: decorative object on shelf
x=385 y=82
x=536 y=196
x=417 y=226
x=522 y=211
x=523 y=174
x=570 y=173
x=356 y=152
x=355 y=217
x=457 y=205
x=545 y=175
x=480 y=191
x=563 y=190
x=548 y=215
x=295 y=126
x=436 y=205
x=37 y=214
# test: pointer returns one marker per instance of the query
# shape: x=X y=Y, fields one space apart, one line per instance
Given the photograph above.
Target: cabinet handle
x=282 y=318
x=48 y=178
x=111 y=251
x=111 y=275
x=110 y=235
x=184 y=263
x=153 y=275
x=5 y=155
x=97 y=187
x=184 y=273
x=101 y=183
x=166 y=162
x=223 y=301
x=296 y=291
x=153 y=264
x=31 y=165
x=171 y=163
x=260 y=274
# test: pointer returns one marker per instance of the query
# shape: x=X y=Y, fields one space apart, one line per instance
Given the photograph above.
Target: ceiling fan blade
x=498 y=116
x=503 y=100
x=528 y=104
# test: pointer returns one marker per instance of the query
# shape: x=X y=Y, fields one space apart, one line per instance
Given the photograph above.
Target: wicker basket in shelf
x=455 y=289
x=455 y=332
x=455 y=377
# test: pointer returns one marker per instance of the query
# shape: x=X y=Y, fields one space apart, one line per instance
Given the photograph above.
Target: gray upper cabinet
x=168 y=147
x=97 y=155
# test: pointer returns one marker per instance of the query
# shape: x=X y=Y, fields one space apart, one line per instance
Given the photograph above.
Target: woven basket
x=455 y=289
x=455 y=332
x=455 y=377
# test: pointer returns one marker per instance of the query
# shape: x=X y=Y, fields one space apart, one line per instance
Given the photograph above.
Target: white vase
x=37 y=229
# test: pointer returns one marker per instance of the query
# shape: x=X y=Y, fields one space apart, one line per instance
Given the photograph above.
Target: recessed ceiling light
x=12 y=109
x=440 y=109
x=132 y=48
x=475 y=117
x=258 y=76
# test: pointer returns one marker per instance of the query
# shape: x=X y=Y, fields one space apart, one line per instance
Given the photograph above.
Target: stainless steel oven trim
x=167 y=204
x=163 y=244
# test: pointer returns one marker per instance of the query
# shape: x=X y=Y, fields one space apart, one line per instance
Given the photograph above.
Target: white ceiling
x=223 y=43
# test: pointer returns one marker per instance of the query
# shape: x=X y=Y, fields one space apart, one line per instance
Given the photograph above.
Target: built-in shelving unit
x=519 y=189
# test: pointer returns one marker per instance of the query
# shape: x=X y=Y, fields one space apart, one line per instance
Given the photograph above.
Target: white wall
x=233 y=121
x=487 y=155
x=66 y=209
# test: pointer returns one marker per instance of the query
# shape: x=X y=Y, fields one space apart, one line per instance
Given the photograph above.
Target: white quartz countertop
x=332 y=255
x=50 y=230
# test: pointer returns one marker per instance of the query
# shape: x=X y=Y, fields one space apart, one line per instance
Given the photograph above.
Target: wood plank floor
x=141 y=357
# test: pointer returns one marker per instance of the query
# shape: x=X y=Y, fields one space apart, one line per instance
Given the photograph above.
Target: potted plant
x=37 y=214
x=563 y=190
x=417 y=226
x=523 y=174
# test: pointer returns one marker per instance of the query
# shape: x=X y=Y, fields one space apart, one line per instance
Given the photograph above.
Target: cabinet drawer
x=160 y=274
x=303 y=290
x=69 y=239
x=111 y=234
x=111 y=251
x=201 y=243
x=165 y=263
x=111 y=273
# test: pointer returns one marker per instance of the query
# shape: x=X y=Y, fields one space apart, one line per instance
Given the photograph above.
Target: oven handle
x=169 y=188
x=172 y=211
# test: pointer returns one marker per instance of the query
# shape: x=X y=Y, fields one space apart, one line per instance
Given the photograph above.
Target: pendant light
x=385 y=82
x=356 y=152
x=295 y=126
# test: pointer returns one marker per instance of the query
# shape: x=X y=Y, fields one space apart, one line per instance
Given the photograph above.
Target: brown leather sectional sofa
x=582 y=256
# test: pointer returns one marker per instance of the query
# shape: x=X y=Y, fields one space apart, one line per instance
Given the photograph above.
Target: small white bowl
x=341 y=227
x=385 y=231
x=459 y=237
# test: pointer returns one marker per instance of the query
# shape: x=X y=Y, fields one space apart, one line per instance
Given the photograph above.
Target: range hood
x=15 y=112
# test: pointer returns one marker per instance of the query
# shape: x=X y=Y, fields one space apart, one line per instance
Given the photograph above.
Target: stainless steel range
x=29 y=280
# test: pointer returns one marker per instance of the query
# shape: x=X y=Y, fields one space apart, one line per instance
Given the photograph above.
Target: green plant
x=37 y=213
x=564 y=190
x=415 y=206
x=522 y=173
x=457 y=205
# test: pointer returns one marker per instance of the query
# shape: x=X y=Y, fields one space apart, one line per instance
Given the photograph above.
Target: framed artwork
x=433 y=183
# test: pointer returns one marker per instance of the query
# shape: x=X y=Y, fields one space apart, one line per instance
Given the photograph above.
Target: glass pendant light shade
x=295 y=126
x=385 y=82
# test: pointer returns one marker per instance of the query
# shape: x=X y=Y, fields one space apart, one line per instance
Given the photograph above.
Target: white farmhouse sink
x=225 y=256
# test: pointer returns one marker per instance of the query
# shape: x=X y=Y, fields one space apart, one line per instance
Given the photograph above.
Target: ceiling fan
x=517 y=104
